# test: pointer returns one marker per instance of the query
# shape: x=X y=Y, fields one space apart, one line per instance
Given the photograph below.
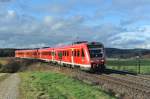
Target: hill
x=127 y=53
x=110 y=53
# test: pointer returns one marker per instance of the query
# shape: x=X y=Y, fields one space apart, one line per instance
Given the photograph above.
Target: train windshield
x=95 y=51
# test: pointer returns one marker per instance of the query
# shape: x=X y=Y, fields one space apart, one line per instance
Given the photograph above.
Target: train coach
x=84 y=55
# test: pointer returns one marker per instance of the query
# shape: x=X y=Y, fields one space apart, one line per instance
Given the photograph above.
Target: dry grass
x=4 y=61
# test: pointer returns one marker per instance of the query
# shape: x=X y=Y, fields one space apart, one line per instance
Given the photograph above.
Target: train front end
x=97 y=56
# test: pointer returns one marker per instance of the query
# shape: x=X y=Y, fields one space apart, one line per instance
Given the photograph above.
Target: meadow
x=131 y=65
x=50 y=85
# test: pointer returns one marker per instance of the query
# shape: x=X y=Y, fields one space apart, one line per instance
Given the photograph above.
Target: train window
x=60 y=55
x=34 y=53
x=74 y=52
x=63 y=53
x=82 y=53
x=78 y=53
x=67 y=53
x=53 y=53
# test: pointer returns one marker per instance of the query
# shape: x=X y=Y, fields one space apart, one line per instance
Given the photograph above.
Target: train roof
x=79 y=44
x=75 y=44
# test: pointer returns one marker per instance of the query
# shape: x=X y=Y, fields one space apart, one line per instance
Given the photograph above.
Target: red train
x=84 y=55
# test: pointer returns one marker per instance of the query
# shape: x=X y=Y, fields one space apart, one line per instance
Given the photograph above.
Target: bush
x=11 y=67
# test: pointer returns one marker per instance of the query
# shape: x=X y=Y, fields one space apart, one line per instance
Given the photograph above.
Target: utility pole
x=139 y=62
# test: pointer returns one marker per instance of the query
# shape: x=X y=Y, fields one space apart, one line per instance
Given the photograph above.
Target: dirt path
x=9 y=87
x=2 y=74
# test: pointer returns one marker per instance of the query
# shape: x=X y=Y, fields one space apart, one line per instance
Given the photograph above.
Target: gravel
x=9 y=87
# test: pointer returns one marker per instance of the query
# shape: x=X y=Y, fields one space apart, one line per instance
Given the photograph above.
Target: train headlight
x=102 y=60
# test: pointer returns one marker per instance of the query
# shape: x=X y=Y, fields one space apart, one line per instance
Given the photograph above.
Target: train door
x=76 y=56
x=82 y=56
x=52 y=55
x=72 y=57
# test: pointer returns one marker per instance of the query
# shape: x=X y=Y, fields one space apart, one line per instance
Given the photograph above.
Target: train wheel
x=102 y=68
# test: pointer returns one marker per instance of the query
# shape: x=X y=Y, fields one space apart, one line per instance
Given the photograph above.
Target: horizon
x=35 y=24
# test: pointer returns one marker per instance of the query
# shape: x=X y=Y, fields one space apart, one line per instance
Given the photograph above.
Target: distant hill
x=127 y=53
x=110 y=53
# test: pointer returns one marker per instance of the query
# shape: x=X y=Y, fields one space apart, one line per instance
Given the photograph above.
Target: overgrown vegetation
x=11 y=67
x=131 y=65
x=49 y=85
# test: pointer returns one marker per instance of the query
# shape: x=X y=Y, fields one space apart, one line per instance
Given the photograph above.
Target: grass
x=50 y=85
x=130 y=65
x=3 y=61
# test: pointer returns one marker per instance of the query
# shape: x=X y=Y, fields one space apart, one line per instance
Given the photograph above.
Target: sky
x=42 y=23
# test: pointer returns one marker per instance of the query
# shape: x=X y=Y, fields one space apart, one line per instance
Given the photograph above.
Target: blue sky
x=39 y=23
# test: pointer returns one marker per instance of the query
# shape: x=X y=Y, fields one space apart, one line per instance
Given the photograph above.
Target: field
x=50 y=85
x=131 y=65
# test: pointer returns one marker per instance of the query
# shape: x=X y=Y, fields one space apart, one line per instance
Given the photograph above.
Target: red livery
x=84 y=55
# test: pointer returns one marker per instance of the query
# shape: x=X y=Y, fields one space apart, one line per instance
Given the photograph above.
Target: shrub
x=11 y=67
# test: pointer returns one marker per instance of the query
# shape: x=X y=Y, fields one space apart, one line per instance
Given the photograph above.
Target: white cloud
x=19 y=29
x=135 y=39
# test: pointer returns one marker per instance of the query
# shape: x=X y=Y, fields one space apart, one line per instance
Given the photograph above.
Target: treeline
x=126 y=53
x=8 y=52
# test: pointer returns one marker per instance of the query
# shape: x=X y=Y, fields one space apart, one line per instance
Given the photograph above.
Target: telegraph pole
x=139 y=62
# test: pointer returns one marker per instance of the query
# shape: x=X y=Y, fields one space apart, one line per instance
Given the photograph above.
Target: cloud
x=58 y=23
x=26 y=31
x=135 y=39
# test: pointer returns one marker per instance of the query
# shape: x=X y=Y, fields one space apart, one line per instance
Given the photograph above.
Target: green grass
x=49 y=85
x=130 y=65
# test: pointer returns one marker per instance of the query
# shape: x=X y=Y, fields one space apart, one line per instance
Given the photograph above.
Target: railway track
x=128 y=83
x=145 y=76
x=134 y=78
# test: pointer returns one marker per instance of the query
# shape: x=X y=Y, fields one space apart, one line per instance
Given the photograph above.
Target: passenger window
x=74 y=52
x=78 y=53
x=63 y=53
x=67 y=53
x=82 y=53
